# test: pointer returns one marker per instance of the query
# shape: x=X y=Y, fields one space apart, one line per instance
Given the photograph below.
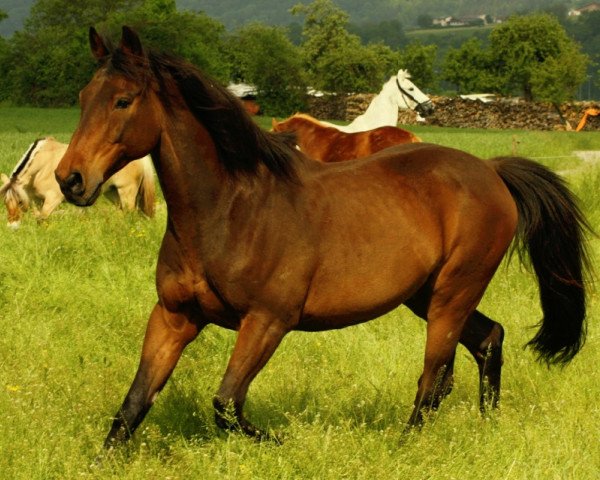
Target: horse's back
x=466 y=192
x=45 y=161
x=439 y=189
x=387 y=222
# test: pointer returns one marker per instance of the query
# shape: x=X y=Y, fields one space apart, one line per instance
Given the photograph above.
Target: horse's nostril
x=72 y=184
x=73 y=180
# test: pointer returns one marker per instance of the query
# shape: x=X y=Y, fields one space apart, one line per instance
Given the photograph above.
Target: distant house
x=247 y=94
x=591 y=7
x=473 y=20
x=442 y=21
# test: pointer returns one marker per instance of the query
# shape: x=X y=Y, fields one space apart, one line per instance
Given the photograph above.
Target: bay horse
x=33 y=178
x=263 y=240
x=329 y=144
x=399 y=92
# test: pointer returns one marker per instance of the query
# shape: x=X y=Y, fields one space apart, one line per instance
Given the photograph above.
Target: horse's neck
x=309 y=132
x=191 y=178
x=26 y=176
x=383 y=109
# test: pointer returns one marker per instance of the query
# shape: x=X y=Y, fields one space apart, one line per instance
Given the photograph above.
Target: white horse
x=34 y=177
x=397 y=92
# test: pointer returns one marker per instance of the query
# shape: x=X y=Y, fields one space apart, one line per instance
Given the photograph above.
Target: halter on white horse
x=398 y=92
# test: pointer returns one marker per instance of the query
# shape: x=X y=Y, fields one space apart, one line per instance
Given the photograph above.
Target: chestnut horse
x=263 y=240
x=329 y=144
x=33 y=178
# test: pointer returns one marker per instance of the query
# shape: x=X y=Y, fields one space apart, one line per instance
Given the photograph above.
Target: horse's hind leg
x=483 y=337
x=258 y=337
x=167 y=335
x=442 y=339
x=445 y=379
x=448 y=304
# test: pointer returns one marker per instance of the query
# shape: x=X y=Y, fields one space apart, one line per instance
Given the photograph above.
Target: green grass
x=75 y=293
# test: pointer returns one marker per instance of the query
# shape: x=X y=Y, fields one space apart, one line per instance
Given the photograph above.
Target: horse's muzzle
x=425 y=108
x=73 y=188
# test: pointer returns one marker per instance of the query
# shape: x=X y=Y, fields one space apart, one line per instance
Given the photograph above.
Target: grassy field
x=75 y=293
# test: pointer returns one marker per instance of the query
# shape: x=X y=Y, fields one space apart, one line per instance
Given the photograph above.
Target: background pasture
x=75 y=293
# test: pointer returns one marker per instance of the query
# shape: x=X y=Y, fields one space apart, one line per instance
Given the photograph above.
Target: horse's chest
x=180 y=290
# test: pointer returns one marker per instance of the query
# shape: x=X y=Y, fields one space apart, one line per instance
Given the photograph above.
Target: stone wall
x=461 y=113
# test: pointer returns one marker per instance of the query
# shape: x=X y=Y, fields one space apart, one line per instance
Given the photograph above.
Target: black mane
x=241 y=144
x=24 y=160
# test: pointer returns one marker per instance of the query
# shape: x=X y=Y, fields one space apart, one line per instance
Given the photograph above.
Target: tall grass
x=75 y=293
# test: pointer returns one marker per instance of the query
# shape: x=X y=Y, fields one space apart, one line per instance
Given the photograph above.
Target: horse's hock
x=502 y=113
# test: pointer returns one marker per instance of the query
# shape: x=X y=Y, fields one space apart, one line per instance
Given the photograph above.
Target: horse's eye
x=122 y=103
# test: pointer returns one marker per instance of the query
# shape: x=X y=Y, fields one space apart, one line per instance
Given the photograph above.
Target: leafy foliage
x=418 y=59
x=526 y=49
x=49 y=62
x=470 y=68
x=265 y=57
x=586 y=31
x=335 y=59
x=530 y=55
x=194 y=36
x=535 y=55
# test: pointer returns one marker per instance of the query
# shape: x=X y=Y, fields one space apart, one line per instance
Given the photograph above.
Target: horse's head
x=118 y=120
x=288 y=124
x=410 y=96
x=15 y=199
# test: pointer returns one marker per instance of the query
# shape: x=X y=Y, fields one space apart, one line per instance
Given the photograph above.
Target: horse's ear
x=97 y=44
x=403 y=73
x=130 y=42
x=273 y=122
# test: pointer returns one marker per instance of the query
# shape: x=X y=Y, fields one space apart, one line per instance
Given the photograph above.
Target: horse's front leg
x=51 y=201
x=167 y=334
x=258 y=337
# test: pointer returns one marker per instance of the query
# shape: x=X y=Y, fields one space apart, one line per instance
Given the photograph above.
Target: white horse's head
x=409 y=96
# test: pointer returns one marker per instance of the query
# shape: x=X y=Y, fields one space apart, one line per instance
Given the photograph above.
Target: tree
x=470 y=68
x=335 y=60
x=193 y=36
x=558 y=78
x=418 y=59
x=49 y=62
x=526 y=51
x=324 y=30
x=266 y=58
x=586 y=30
x=352 y=69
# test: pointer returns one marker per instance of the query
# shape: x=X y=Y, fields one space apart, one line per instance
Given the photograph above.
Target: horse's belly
x=338 y=298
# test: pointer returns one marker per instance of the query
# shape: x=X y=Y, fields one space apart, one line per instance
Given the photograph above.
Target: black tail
x=551 y=230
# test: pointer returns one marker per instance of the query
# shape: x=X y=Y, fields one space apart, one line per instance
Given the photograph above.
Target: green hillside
x=233 y=13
